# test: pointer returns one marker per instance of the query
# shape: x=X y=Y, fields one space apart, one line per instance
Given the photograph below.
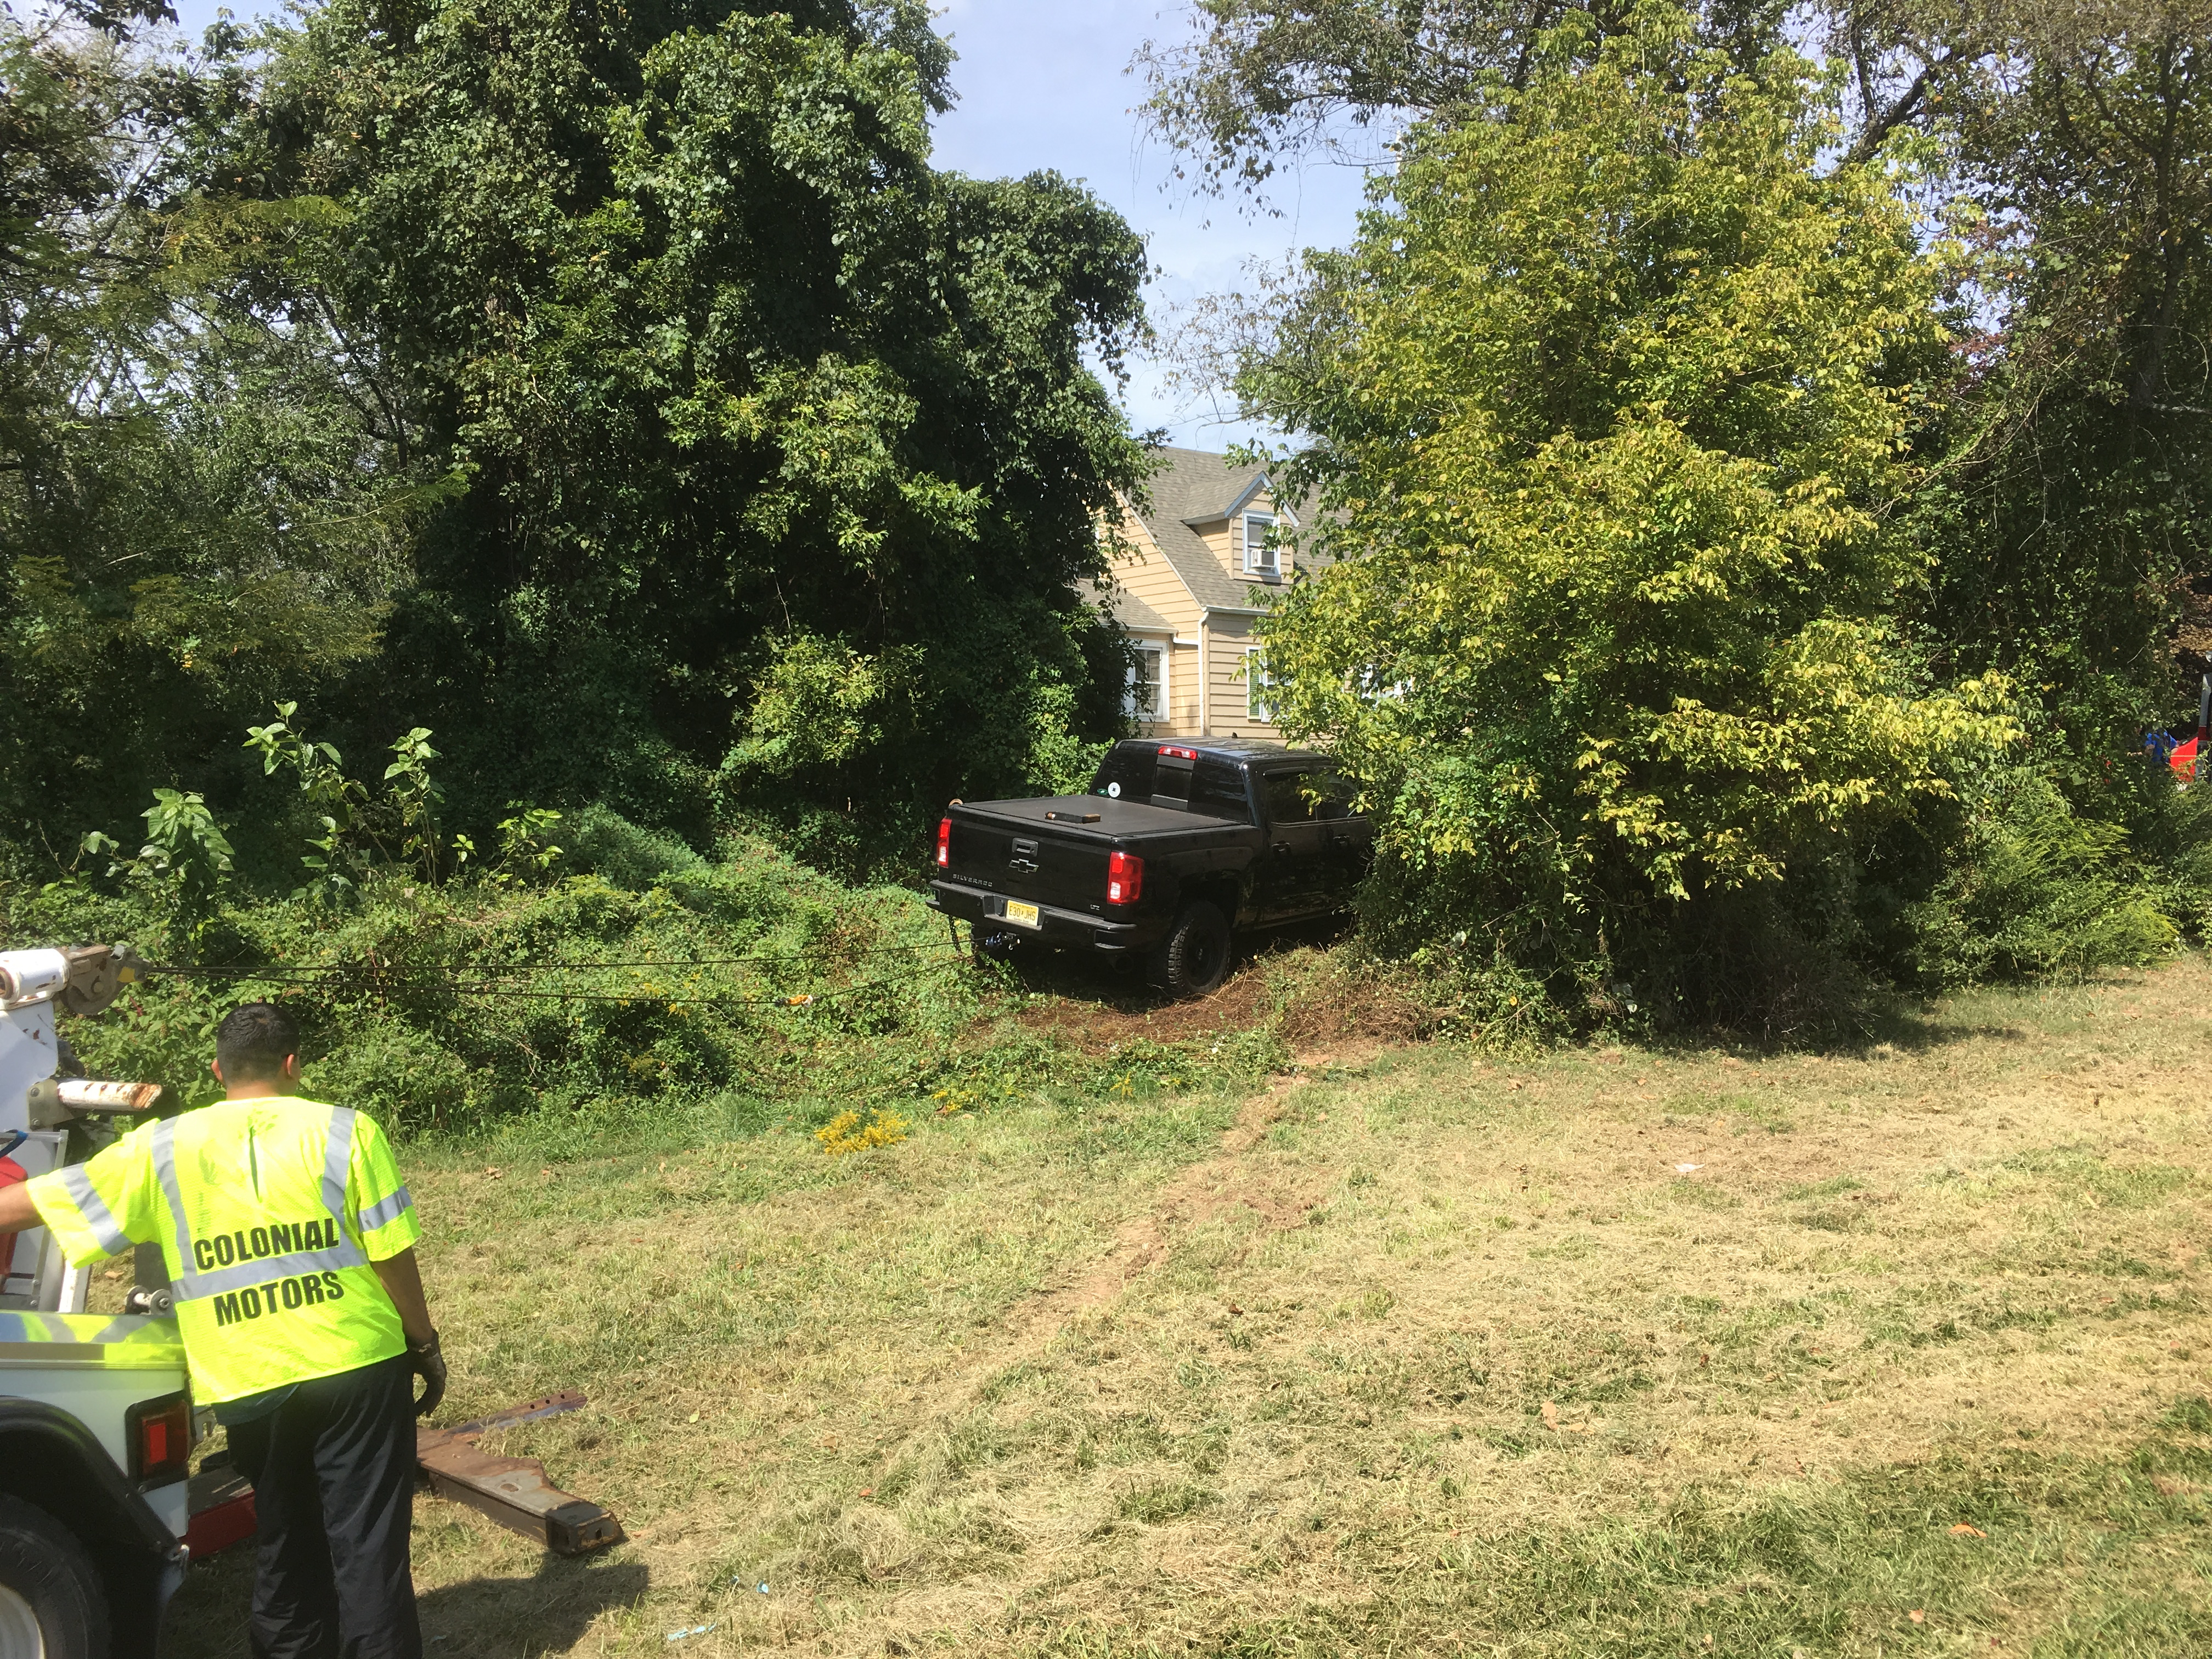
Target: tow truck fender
x=50 y=1459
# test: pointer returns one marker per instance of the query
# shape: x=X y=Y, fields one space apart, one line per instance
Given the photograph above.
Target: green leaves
x=182 y=864
x=182 y=835
x=1609 y=405
x=724 y=365
x=820 y=703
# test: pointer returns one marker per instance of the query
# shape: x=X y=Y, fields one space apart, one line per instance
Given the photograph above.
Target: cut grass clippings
x=1614 y=1352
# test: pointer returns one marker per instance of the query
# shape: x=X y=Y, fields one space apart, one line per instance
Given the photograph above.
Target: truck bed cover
x=1115 y=817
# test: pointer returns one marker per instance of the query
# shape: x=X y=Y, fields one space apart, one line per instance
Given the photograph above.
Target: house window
x=1147 y=698
x=1259 y=690
x=1262 y=557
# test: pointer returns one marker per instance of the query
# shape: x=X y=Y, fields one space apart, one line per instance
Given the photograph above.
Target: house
x=1200 y=565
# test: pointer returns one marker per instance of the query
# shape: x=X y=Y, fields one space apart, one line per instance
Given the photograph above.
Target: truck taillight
x=1125 y=877
x=1180 y=754
x=944 y=842
x=160 y=1436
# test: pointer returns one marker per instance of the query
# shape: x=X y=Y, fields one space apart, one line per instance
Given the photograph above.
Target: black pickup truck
x=1176 y=845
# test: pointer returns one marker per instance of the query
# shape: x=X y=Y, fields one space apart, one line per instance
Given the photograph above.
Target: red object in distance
x=11 y=1174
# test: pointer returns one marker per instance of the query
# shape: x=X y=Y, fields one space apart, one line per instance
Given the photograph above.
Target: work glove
x=428 y=1362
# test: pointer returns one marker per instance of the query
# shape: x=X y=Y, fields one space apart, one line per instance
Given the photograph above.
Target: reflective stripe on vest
x=383 y=1214
x=99 y=1219
x=195 y=1286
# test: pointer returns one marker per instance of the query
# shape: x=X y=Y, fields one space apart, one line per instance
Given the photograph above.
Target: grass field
x=1898 y=1349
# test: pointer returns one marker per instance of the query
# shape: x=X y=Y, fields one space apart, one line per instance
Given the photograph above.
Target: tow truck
x=96 y=1419
x=100 y=1512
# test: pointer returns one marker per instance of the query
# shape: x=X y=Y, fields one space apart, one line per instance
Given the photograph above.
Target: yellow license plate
x=1022 y=915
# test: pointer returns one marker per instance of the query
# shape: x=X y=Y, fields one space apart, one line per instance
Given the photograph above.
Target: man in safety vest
x=289 y=1239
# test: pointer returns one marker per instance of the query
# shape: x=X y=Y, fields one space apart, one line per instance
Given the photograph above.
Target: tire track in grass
x=1201 y=1191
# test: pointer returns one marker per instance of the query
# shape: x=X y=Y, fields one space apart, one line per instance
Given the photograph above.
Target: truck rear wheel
x=1193 y=959
x=51 y=1604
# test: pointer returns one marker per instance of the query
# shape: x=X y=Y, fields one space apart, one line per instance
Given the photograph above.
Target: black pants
x=333 y=1474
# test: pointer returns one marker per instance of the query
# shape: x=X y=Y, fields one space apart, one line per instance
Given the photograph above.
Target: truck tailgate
x=1024 y=858
x=1052 y=851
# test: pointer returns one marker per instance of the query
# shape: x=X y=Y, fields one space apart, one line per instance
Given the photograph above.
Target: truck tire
x=52 y=1603
x=1193 y=959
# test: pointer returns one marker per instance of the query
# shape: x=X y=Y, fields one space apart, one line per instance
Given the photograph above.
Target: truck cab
x=96 y=1419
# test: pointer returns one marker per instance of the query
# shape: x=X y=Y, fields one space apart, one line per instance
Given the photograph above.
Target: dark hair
x=252 y=1040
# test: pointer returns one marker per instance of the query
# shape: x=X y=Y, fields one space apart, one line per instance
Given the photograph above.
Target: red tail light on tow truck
x=944 y=842
x=1125 y=877
x=160 y=1436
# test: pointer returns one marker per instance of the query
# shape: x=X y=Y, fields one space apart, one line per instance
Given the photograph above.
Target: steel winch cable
x=311 y=976
x=311 y=972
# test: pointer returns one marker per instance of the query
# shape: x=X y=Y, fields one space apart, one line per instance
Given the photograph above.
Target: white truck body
x=37 y=1276
x=96 y=1368
x=76 y=1388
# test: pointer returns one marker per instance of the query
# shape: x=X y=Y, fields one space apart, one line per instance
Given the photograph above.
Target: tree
x=1608 y=409
x=734 y=385
x=2073 y=516
x=1256 y=82
x=189 y=514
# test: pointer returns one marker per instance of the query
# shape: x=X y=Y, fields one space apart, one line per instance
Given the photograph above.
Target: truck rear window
x=1126 y=774
x=1211 y=788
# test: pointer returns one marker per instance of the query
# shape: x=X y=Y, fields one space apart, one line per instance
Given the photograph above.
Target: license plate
x=1021 y=915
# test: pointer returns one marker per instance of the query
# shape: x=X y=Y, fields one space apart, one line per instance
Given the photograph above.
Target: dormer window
x=1262 y=557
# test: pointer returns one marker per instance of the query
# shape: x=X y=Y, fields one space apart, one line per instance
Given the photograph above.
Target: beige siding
x=1229 y=709
x=1181 y=720
x=1182 y=692
x=1161 y=589
x=1225 y=538
x=1150 y=577
x=1218 y=543
x=1226 y=706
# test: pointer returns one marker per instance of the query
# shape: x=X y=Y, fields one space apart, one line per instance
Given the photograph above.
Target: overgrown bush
x=744 y=988
x=1612 y=635
x=2034 y=890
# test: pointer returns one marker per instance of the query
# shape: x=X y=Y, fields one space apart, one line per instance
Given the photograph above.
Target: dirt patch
x=1097 y=1026
x=1314 y=999
x=1335 y=998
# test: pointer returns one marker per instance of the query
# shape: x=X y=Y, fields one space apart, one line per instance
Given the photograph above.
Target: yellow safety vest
x=268 y=1213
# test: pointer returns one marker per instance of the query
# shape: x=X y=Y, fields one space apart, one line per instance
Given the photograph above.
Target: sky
x=1043 y=84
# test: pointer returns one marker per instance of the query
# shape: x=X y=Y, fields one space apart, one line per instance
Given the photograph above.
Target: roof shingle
x=1132 y=613
x=1195 y=484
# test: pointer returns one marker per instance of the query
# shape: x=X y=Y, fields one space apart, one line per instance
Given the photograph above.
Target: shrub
x=600 y=841
x=2035 y=890
x=1611 y=633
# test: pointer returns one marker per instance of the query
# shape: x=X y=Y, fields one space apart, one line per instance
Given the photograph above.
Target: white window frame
x=1270 y=565
x=1152 y=653
x=1258 y=706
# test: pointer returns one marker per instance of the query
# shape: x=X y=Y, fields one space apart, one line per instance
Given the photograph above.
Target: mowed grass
x=1897 y=1351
